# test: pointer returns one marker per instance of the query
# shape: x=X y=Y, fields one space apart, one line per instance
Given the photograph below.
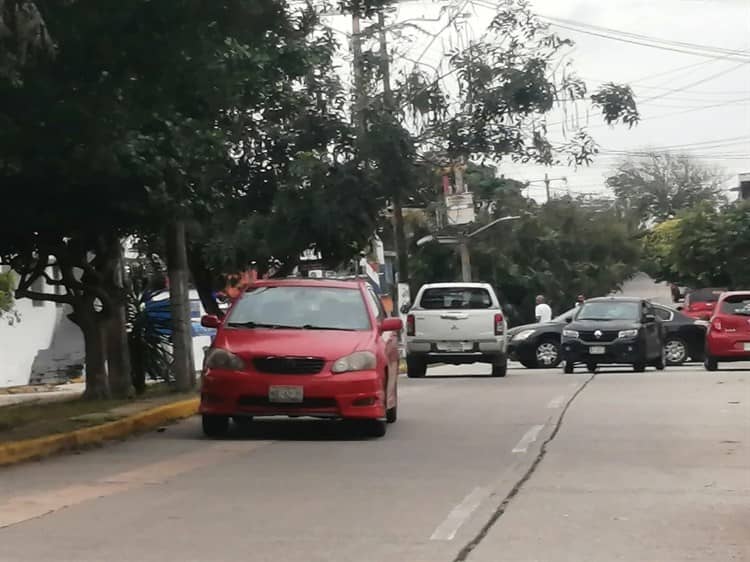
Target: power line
x=645 y=40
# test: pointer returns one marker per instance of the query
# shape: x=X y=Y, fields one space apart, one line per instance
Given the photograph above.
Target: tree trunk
x=182 y=338
x=97 y=384
x=118 y=350
x=204 y=283
x=118 y=354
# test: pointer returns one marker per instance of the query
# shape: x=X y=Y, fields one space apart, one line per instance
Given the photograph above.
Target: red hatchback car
x=728 y=336
x=302 y=347
x=700 y=303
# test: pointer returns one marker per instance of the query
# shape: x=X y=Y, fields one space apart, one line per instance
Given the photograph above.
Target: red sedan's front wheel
x=215 y=426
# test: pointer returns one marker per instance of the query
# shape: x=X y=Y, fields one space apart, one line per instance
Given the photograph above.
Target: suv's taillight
x=411 y=325
x=499 y=327
x=716 y=324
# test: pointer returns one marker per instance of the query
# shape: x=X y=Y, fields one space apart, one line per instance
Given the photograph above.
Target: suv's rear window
x=736 y=304
x=704 y=295
x=455 y=298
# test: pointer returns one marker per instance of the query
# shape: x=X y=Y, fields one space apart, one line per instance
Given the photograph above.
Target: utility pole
x=546 y=185
x=398 y=214
x=359 y=88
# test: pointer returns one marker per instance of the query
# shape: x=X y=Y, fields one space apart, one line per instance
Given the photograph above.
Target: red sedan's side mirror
x=392 y=325
x=210 y=321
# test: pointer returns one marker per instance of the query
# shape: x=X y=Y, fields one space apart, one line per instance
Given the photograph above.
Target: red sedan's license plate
x=747 y=346
x=285 y=394
x=596 y=350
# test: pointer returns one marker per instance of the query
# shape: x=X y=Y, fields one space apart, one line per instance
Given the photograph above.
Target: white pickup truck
x=456 y=323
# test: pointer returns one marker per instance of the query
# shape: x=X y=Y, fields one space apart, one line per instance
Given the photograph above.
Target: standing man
x=580 y=300
x=542 y=311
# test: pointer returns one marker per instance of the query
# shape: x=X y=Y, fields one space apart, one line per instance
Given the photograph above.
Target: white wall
x=21 y=341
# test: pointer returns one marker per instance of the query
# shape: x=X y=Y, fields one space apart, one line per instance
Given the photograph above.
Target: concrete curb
x=18 y=451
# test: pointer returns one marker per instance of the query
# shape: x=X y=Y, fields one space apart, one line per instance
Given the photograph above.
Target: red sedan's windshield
x=738 y=305
x=323 y=308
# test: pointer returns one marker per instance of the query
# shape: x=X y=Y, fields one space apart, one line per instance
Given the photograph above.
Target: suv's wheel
x=569 y=367
x=548 y=354
x=215 y=426
x=500 y=368
x=416 y=368
x=710 y=363
x=676 y=351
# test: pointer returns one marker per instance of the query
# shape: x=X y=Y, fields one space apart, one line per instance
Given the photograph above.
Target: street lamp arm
x=490 y=225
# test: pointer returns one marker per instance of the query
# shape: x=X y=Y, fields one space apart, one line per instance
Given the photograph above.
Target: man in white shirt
x=542 y=311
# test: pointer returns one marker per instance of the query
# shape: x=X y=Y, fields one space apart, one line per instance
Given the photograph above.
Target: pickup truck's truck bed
x=456 y=323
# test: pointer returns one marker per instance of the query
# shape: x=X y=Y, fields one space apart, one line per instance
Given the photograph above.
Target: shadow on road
x=302 y=429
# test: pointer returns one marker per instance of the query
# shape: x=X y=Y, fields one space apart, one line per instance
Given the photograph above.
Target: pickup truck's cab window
x=455 y=298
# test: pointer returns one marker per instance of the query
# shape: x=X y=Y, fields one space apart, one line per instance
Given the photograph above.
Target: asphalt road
x=538 y=466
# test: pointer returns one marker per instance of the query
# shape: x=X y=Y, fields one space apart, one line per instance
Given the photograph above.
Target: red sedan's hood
x=327 y=344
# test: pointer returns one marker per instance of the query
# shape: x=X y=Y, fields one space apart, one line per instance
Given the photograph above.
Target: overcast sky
x=699 y=101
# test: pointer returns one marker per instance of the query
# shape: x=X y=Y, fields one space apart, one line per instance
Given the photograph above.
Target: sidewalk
x=43 y=394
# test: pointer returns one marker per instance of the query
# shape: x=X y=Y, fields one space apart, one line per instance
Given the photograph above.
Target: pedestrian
x=542 y=311
x=580 y=300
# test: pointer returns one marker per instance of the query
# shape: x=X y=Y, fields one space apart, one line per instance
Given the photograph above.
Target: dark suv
x=614 y=330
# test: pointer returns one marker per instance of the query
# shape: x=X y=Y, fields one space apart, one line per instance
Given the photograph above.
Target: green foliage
x=657 y=186
x=149 y=340
x=708 y=247
x=7 y=286
x=658 y=246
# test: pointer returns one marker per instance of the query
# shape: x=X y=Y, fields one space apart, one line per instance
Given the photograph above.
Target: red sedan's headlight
x=218 y=358
x=358 y=361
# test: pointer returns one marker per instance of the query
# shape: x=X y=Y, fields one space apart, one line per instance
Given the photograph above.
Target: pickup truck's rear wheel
x=500 y=367
x=416 y=367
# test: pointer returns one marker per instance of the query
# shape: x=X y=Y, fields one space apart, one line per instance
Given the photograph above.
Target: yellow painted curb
x=18 y=451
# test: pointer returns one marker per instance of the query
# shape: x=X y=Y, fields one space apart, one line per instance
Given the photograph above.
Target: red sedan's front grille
x=289 y=365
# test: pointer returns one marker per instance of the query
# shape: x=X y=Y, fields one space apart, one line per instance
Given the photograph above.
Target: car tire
x=500 y=369
x=676 y=351
x=374 y=428
x=547 y=354
x=592 y=367
x=528 y=363
x=391 y=414
x=711 y=363
x=569 y=368
x=639 y=367
x=215 y=426
x=415 y=368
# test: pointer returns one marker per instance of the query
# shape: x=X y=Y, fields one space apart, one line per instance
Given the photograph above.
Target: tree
x=104 y=140
x=706 y=247
x=658 y=185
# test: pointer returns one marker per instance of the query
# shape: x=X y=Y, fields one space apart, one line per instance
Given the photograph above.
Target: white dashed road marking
x=447 y=530
x=528 y=438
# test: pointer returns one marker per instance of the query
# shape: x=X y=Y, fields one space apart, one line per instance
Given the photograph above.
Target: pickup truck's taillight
x=411 y=325
x=499 y=327
x=716 y=324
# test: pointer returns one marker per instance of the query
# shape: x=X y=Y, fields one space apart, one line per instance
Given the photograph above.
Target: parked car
x=699 y=303
x=728 y=337
x=321 y=348
x=456 y=323
x=538 y=345
x=614 y=330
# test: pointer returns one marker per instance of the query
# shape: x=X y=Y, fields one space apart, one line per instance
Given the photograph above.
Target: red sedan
x=302 y=347
x=728 y=336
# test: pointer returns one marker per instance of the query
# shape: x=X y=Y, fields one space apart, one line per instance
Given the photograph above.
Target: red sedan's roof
x=307 y=282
